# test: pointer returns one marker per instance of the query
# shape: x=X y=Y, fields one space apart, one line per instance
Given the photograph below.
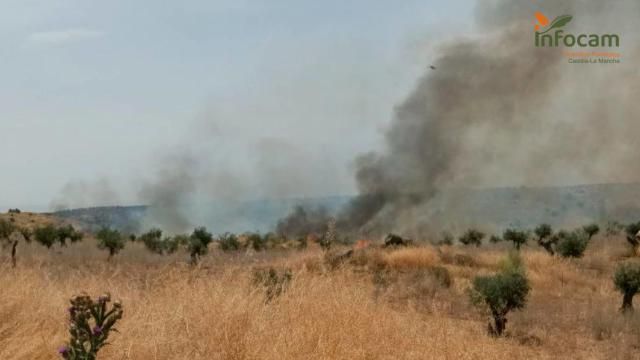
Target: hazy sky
x=100 y=94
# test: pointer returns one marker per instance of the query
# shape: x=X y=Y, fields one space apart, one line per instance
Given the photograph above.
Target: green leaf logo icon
x=559 y=22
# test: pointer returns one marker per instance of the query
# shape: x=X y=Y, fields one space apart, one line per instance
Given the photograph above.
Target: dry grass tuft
x=411 y=258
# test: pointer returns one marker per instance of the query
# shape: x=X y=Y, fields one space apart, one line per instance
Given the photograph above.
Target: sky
x=96 y=96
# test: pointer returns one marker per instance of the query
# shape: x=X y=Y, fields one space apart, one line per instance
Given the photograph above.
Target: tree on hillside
x=545 y=238
x=518 y=238
x=199 y=243
x=111 y=240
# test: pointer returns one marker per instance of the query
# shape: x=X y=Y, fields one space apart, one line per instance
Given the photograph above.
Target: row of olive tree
x=196 y=244
x=565 y=243
x=46 y=235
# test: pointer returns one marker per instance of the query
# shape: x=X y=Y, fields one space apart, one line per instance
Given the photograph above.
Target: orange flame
x=362 y=244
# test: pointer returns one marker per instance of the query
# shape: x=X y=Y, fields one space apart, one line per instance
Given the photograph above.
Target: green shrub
x=199 y=243
x=111 y=240
x=546 y=238
x=91 y=323
x=258 y=242
x=572 y=244
x=68 y=233
x=228 y=242
x=501 y=293
x=46 y=235
x=518 y=238
x=152 y=240
x=6 y=229
x=494 y=239
x=627 y=280
x=472 y=237
x=172 y=244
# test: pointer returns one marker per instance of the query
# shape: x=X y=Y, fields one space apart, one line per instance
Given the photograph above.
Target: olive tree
x=198 y=243
x=11 y=234
x=571 y=243
x=68 y=233
x=632 y=230
x=228 y=242
x=152 y=240
x=627 y=281
x=111 y=240
x=518 y=238
x=546 y=238
x=501 y=293
x=48 y=235
x=472 y=237
x=591 y=229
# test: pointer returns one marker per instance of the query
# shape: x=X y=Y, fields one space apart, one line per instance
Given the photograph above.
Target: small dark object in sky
x=432 y=67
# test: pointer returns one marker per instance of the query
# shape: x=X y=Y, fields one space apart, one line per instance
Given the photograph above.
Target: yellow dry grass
x=174 y=311
x=29 y=220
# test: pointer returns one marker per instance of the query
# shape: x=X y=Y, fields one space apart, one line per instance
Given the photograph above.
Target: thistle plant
x=91 y=322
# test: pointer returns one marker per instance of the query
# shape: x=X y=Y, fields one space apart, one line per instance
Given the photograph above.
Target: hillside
x=514 y=206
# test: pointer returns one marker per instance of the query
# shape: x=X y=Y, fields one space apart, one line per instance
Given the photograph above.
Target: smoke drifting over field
x=495 y=111
x=498 y=111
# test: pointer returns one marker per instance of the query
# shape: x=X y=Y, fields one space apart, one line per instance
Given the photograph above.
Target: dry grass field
x=381 y=304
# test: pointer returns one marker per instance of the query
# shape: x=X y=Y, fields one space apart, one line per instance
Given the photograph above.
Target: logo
x=552 y=34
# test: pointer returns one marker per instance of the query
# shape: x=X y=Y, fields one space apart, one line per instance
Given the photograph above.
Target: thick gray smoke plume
x=497 y=110
x=167 y=193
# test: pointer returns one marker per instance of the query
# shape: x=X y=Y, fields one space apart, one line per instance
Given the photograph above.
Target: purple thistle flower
x=97 y=330
x=63 y=350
